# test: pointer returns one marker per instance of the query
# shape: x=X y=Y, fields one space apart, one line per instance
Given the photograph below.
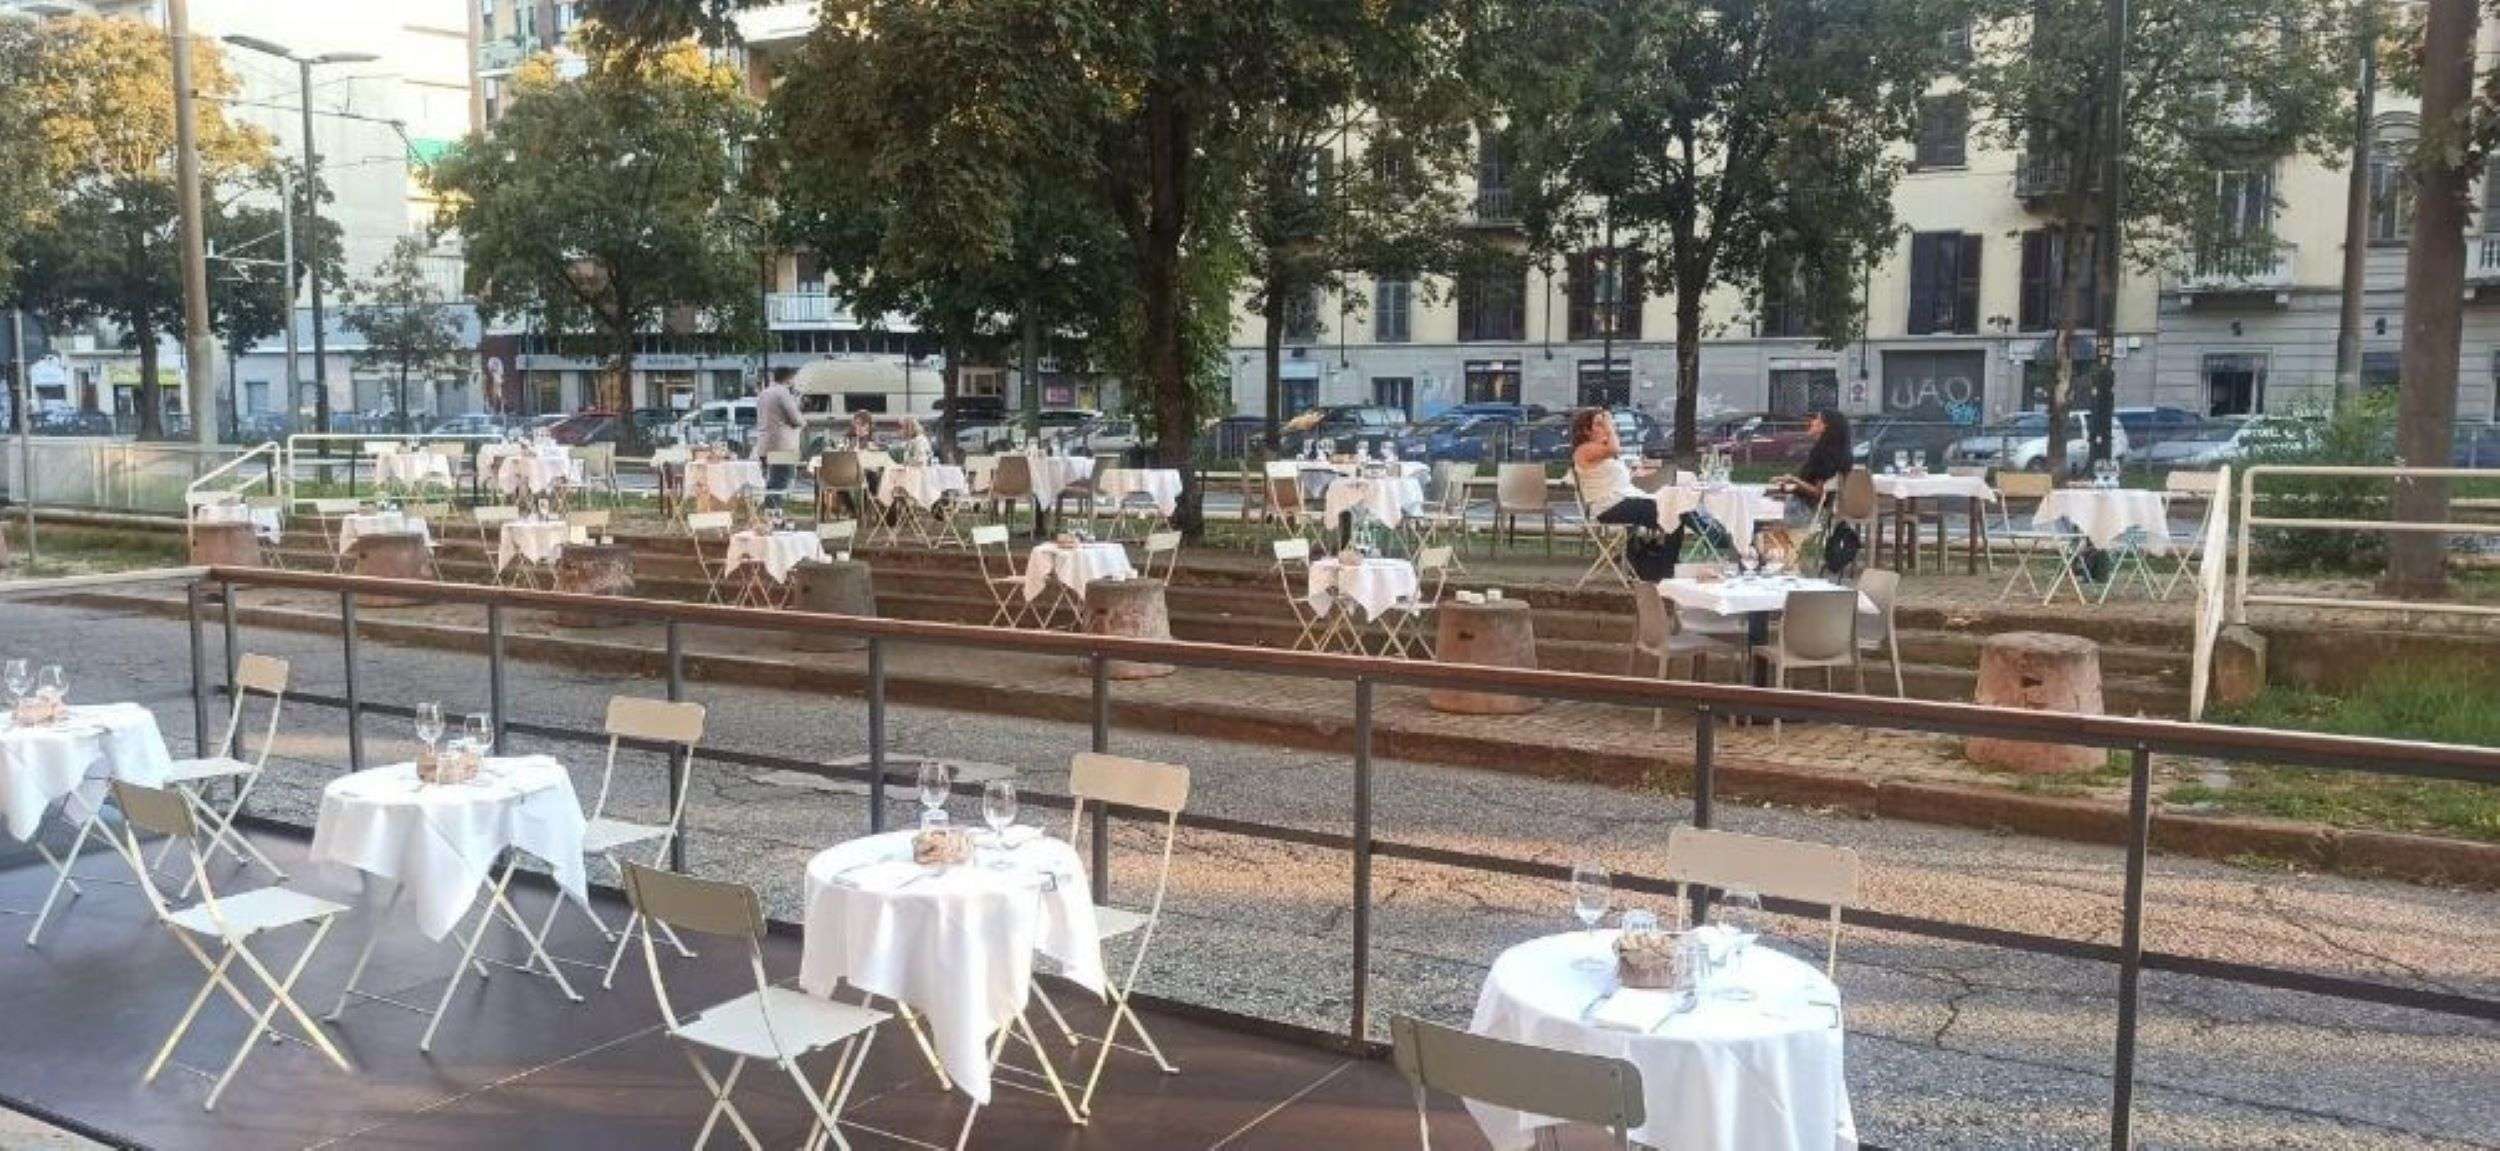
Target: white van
x=718 y=421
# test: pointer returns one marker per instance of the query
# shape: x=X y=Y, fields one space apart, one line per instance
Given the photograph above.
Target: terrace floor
x=516 y=1066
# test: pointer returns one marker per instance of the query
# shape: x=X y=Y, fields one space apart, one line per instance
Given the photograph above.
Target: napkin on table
x=1635 y=1009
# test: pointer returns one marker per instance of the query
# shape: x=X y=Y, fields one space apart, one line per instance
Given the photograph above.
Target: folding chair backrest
x=1883 y=588
x=708 y=522
x=452 y=452
x=1656 y=622
x=157 y=811
x=655 y=720
x=1284 y=493
x=1781 y=868
x=1967 y=471
x=1520 y=487
x=2201 y=484
x=1433 y=559
x=337 y=507
x=686 y=903
x=1564 y=1085
x=1819 y=624
x=989 y=535
x=1857 y=495
x=1449 y=482
x=1166 y=547
x=781 y=459
x=495 y=514
x=1163 y=787
x=1292 y=550
x=265 y=674
x=676 y=455
x=587 y=520
x=2024 y=485
x=1014 y=477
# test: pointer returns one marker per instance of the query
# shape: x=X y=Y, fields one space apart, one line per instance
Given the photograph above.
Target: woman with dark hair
x=1826 y=461
x=1607 y=493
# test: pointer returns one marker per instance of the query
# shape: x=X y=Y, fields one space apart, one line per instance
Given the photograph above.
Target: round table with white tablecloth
x=720 y=481
x=535 y=470
x=1074 y=567
x=1761 y=1074
x=409 y=469
x=780 y=552
x=1053 y=474
x=1161 y=485
x=922 y=484
x=73 y=758
x=379 y=524
x=440 y=841
x=1373 y=585
x=2103 y=515
x=956 y=943
x=266 y=520
x=537 y=541
x=1738 y=507
x=1387 y=497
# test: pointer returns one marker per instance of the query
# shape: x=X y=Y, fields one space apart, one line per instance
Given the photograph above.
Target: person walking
x=777 y=424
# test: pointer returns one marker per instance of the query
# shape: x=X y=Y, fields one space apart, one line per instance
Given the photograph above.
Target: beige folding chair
x=1663 y=638
x=715 y=526
x=1876 y=630
x=1253 y=482
x=1444 y=520
x=254 y=674
x=1406 y=627
x=1162 y=556
x=274 y=554
x=1012 y=485
x=1777 y=868
x=599 y=470
x=326 y=515
x=1285 y=506
x=779 y=1025
x=2204 y=487
x=490 y=519
x=676 y=726
x=1293 y=572
x=1519 y=490
x=1162 y=788
x=668 y=478
x=455 y=459
x=1817 y=629
x=1607 y=540
x=2029 y=541
x=584 y=527
x=232 y=921
x=838 y=537
x=1005 y=586
x=1563 y=1085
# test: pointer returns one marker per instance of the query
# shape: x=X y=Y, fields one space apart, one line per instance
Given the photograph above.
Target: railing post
x=494 y=672
x=355 y=701
x=1705 y=788
x=676 y=754
x=1359 y=1027
x=225 y=599
x=199 y=674
x=2131 y=948
x=876 y=735
x=1101 y=864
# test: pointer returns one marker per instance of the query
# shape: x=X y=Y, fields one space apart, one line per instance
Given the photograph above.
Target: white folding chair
x=2192 y=486
x=253 y=674
x=1161 y=788
x=490 y=521
x=1293 y=573
x=229 y=920
x=1774 y=868
x=326 y=514
x=837 y=536
x=716 y=526
x=1606 y=540
x=1162 y=556
x=1563 y=1085
x=1005 y=586
x=679 y=727
x=772 y=1024
x=1406 y=628
x=2028 y=542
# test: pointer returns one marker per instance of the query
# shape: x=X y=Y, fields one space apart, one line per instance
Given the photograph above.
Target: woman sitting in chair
x=1825 y=463
x=1606 y=489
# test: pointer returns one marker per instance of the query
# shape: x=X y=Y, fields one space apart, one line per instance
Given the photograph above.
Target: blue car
x=1466 y=437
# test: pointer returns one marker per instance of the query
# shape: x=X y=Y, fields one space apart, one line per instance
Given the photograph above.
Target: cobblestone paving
x=1952 y=1046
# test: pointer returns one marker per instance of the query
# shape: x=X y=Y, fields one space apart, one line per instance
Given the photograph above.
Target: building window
x=2491 y=196
x=1784 y=313
x=1944 y=283
x=1395 y=392
x=1957 y=44
x=1492 y=381
x=1604 y=388
x=486 y=17
x=2391 y=187
x=1393 y=311
x=728 y=384
x=1493 y=179
x=1801 y=392
x=1298 y=395
x=1493 y=304
x=1302 y=317
x=807 y=272
x=2044 y=269
x=1607 y=288
x=1943 y=132
x=2235 y=384
x=2380 y=371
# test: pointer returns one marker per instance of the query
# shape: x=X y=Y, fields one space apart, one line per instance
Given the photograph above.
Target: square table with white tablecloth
x=922 y=484
x=535 y=470
x=780 y=552
x=1759 y=1073
x=1053 y=474
x=1907 y=489
x=351 y=527
x=411 y=468
x=2103 y=515
x=1161 y=485
x=535 y=541
x=956 y=943
x=1755 y=598
x=267 y=522
x=74 y=758
x=439 y=841
x=722 y=480
x=1388 y=498
x=1375 y=584
x=1074 y=567
x=1739 y=508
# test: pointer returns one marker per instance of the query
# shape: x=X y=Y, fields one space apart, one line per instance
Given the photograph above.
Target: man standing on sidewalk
x=777 y=423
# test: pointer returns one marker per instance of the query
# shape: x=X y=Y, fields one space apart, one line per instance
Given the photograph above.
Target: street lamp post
x=312 y=185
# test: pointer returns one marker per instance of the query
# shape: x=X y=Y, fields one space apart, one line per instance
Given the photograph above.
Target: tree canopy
x=410 y=330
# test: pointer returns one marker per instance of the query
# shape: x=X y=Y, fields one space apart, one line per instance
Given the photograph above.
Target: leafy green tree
x=1726 y=142
x=410 y=330
x=610 y=200
x=2209 y=86
x=25 y=170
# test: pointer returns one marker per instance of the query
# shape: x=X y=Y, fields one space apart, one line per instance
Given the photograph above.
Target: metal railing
x=268 y=451
x=355 y=457
x=109 y=475
x=2241 y=597
x=1703 y=704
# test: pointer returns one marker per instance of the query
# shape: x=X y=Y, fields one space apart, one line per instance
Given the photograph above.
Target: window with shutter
x=1393 y=318
x=1492 y=304
x=1944 y=283
x=2043 y=293
x=2491 y=196
x=1943 y=132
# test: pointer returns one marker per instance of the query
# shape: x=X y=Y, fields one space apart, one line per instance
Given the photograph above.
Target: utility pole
x=2357 y=212
x=25 y=406
x=199 y=354
x=286 y=279
x=2105 y=250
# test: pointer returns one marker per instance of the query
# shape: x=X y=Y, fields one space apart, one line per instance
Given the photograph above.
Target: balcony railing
x=2239 y=268
x=2482 y=263
x=1494 y=206
x=507 y=53
x=2041 y=175
x=807 y=310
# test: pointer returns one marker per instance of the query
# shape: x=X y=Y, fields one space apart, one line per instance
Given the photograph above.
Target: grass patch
x=2444 y=702
x=68 y=551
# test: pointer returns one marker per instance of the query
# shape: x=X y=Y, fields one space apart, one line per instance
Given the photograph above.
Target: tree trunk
x=2357 y=212
x=950 y=389
x=2062 y=378
x=151 y=400
x=2426 y=407
x=1272 y=311
x=616 y=385
x=1165 y=304
x=1687 y=372
x=399 y=397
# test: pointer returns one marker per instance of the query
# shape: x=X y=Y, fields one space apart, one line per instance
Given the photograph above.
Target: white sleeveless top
x=1604 y=484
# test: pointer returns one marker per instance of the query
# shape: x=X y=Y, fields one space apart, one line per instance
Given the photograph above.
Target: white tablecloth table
x=780 y=552
x=955 y=944
x=1761 y=1075
x=922 y=484
x=1373 y=585
x=352 y=527
x=1898 y=486
x=1737 y=507
x=1053 y=474
x=2105 y=514
x=439 y=842
x=533 y=470
x=1162 y=485
x=1387 y=497
x=1074 y=567
x=409 y=469
x=74 y=759
x=537 y=541
x=1746 y=595
x=722 y=480
x=266 y=521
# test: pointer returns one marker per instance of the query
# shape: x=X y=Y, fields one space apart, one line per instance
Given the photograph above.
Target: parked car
x=1874 y=438
x=590 y=427
x=1549 y=437
x=646 y=428
x=1341 y=427
x=471 y=424
x=718 y=421
x=72 y=422
x=2147 y=427
x=2022 y=444
x=2212 y=442
x=1468 y=438
x=1114 y=437
x=1758 y=437
x=2477 y=446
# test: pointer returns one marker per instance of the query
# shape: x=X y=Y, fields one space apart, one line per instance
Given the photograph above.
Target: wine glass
x=19 y=677
x=48 y=684
x=937 y=779
x=1900 y=462
x=1592 y=891
x=429 y=725
x=998 y=810
x=480 y=729
x=1740 y=910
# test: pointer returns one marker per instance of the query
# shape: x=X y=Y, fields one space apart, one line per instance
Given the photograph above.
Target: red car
x=590 y=427
x=1759 y=438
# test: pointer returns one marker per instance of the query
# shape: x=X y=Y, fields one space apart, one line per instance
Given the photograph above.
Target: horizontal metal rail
x=2241 y=596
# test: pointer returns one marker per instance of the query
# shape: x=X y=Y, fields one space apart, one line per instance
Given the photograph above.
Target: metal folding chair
x=1563 y=1085
x=1005 y=586
x=1606 y=540
x=1406 y=628
x=1162 y=788
x=679 y=727
x=1779 y=868
x=1293 y=573
x=715 y=525
x=1162 y=556
x=254 y=674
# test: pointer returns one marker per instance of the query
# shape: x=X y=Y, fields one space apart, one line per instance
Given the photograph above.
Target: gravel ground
x=1953 y=1046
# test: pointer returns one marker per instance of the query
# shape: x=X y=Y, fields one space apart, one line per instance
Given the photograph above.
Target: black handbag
x=1840 y=548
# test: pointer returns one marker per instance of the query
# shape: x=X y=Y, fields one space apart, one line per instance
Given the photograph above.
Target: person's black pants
x=776 y=482
x=1637 y=514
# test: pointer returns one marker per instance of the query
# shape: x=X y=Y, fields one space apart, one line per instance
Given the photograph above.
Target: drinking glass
x=48 y=683
x=429 y=724
x=936 y=780
x=1592 y=892
x=998 y=810
x=1740 y=911
x=1900 y=461
x=479 y=729
x=20 y=679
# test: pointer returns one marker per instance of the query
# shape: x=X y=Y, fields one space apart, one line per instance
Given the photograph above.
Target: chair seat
x=255 y=911
x=1776 y=658
x=801 y=1022
x=196 y=770
x=1688 y=643
x=1113 y=922
x=1709 y=623
x=609 y=834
